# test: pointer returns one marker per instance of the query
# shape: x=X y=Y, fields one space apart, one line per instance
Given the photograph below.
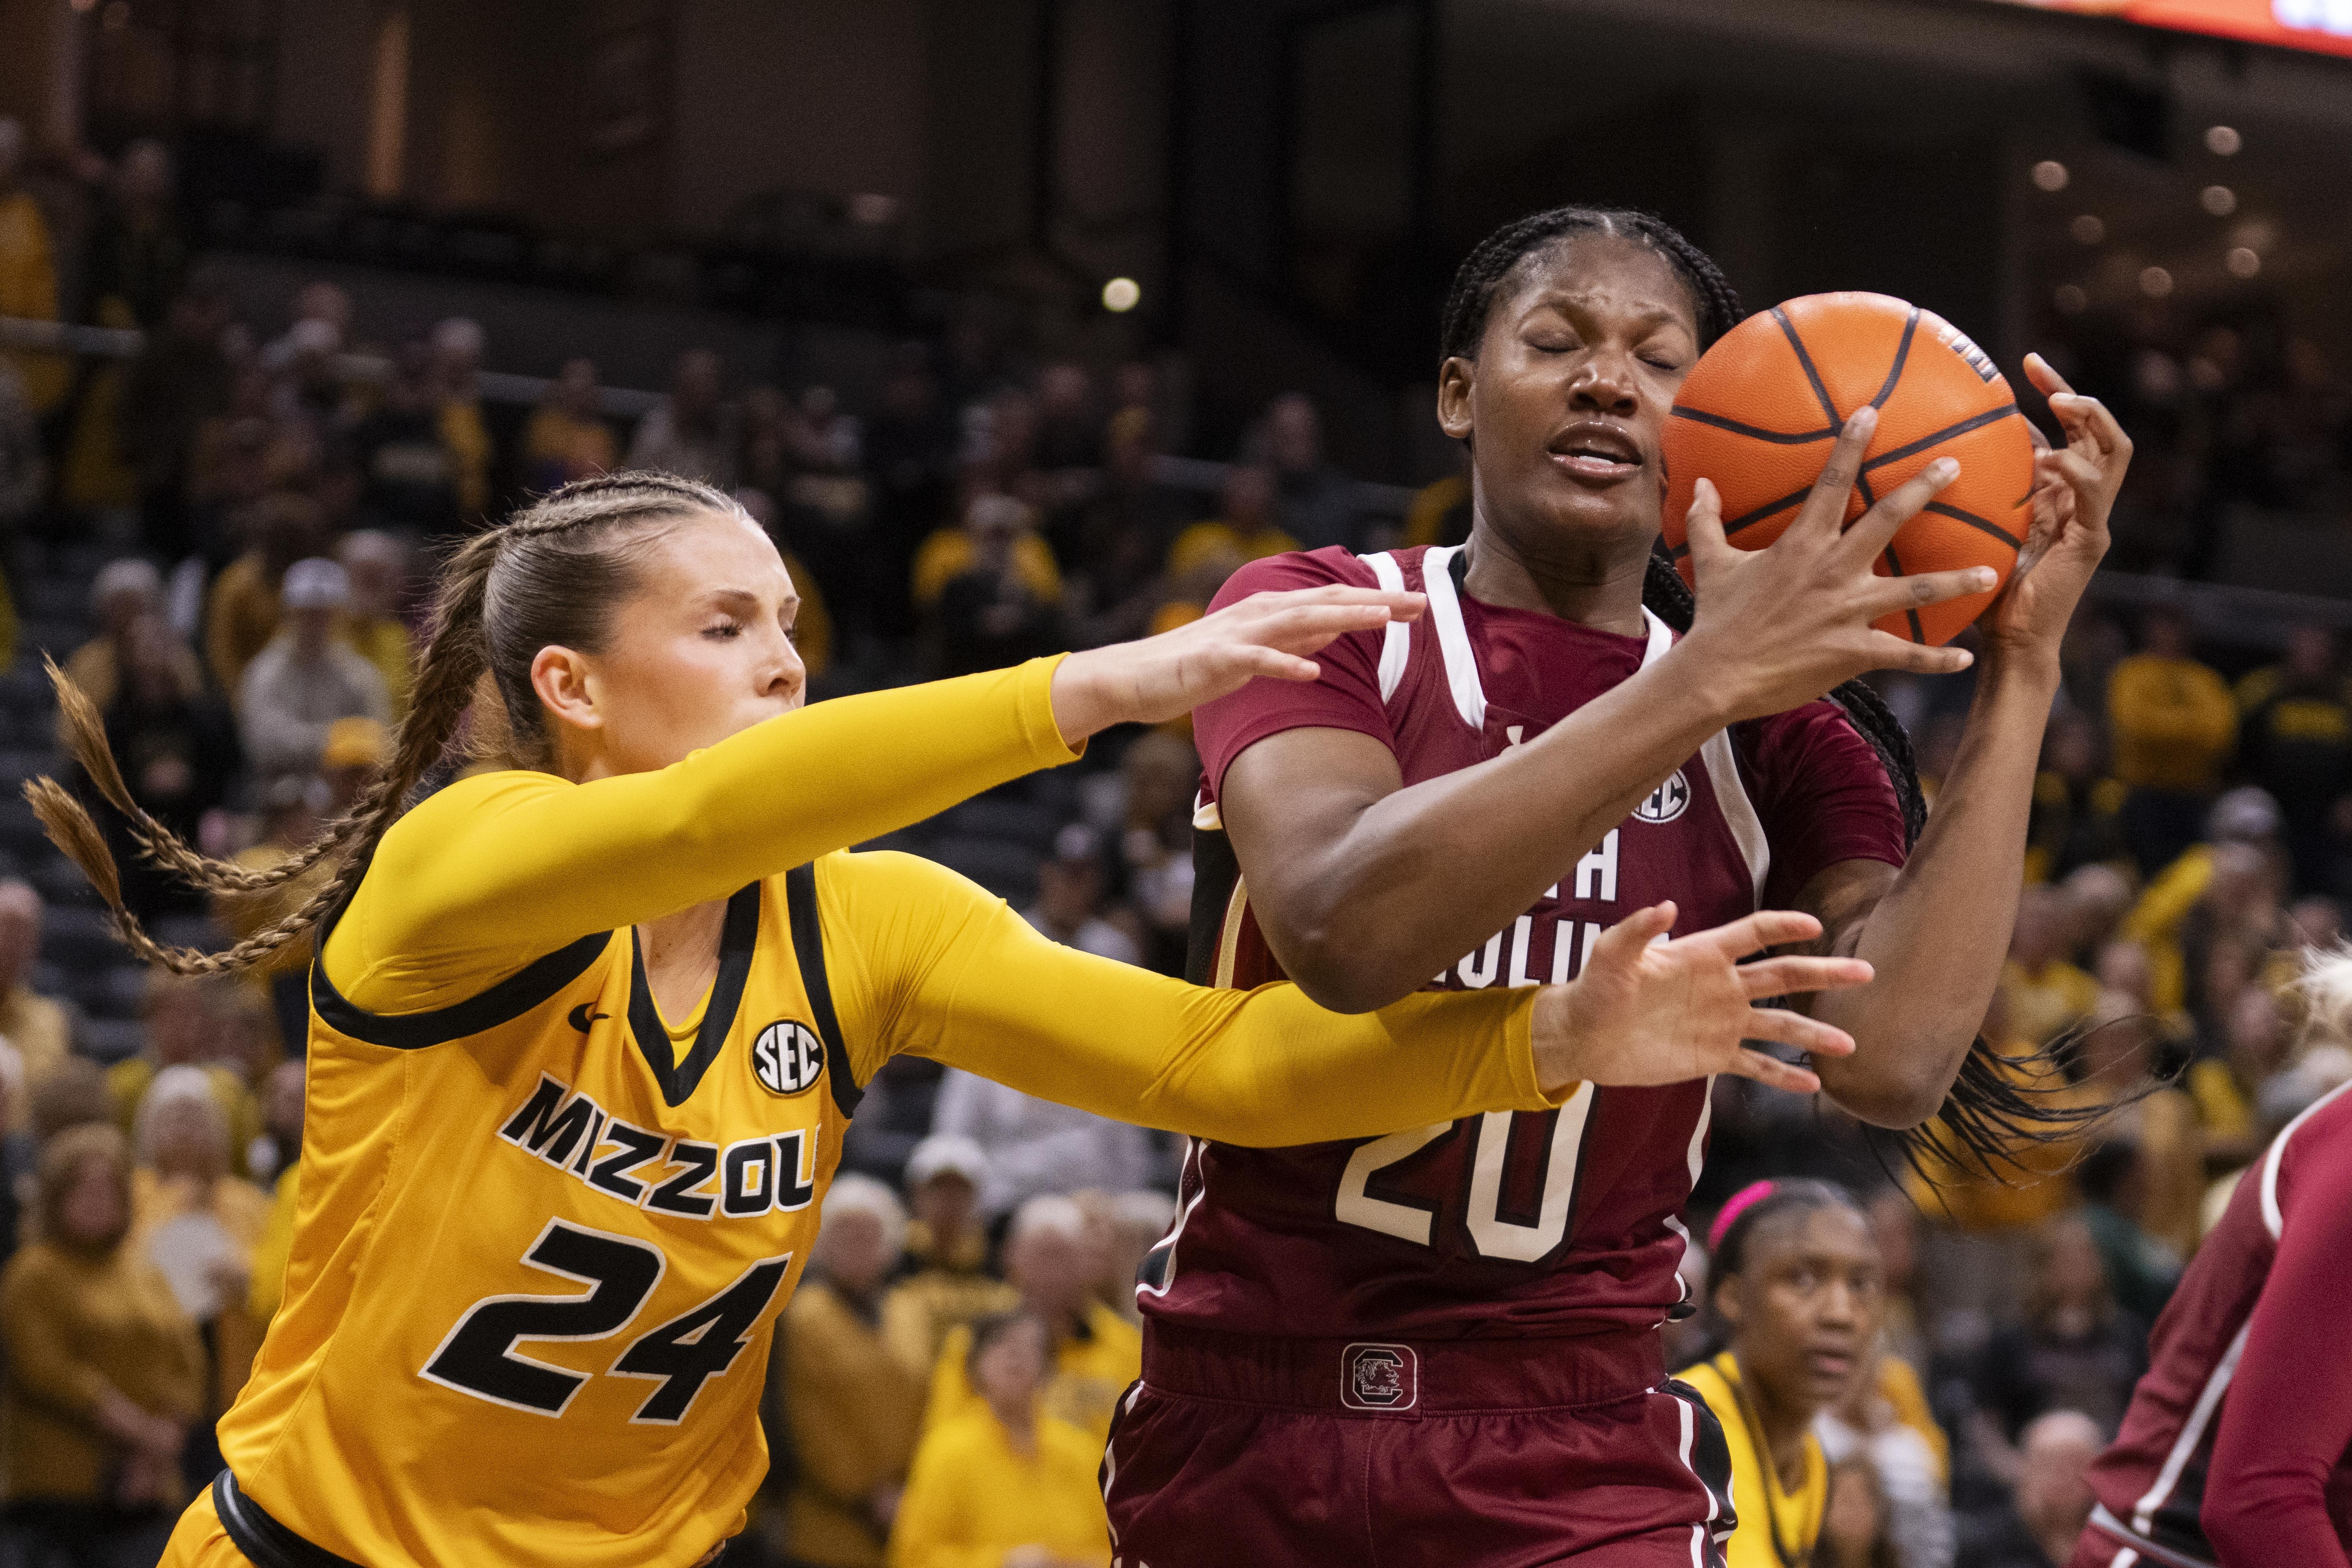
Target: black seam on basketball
x=1761 y=512
x=1678 y=552
x=1755 y=432
x=1819 y=390
x=1895 y=561
x=1973 y=422
x=1983 y=524
x=1861 y=483
x=1902 y=353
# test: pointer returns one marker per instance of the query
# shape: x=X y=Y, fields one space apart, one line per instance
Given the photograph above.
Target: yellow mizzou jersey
x=557 y=1233
x=541 y=1237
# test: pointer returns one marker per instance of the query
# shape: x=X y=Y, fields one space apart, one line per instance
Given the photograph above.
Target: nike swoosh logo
x=581 y=1018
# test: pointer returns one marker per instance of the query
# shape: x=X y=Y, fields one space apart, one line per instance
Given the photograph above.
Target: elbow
x=1897 y=1097
x=1341 y=974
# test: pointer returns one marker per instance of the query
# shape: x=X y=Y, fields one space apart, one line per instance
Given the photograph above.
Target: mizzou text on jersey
x=544 y=1232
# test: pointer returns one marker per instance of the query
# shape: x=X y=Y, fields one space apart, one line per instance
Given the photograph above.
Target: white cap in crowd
x=852 y=1194
x=317 y=583
x=1050 y=1213
x=947 y=1153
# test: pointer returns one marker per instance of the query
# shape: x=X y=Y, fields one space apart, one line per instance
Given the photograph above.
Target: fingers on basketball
x=1761 y=412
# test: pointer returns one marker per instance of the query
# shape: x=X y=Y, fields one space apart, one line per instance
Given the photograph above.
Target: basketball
x=1761 y=411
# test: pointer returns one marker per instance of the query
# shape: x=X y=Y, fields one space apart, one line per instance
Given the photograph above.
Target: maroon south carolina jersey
x=1527 y=1225
x=2249 y=1348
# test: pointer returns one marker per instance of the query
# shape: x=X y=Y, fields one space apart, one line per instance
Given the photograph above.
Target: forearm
x=1265 y=1067
x=1937 y=936
x=1421 y=875
x=554 y=862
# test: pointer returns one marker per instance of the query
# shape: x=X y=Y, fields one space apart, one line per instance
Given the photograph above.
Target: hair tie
x=1746 y=1198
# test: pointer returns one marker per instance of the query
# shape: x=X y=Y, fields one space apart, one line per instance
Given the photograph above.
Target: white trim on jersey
x=1738 y=812
x=1453 y=636
x=2192 y=1432
x=1396 y=643
x=1176 y=1227
x=1661 y=637
x=2273 y=1220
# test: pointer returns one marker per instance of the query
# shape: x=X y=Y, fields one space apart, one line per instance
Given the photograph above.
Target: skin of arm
x=1936 y=930
x=2288 y=1418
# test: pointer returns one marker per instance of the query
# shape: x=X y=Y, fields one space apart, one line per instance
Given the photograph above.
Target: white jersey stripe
x=1396 y=643
x=1738 y=812
x=2191 y=1432
x=2274 y=1219
x=1452 y=637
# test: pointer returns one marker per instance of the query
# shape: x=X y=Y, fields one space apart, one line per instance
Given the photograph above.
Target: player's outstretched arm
x=512 y=866
x=977 y=989
x=1937 y=930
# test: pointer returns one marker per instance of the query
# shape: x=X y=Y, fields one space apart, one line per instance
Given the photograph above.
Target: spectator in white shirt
x=305 y=680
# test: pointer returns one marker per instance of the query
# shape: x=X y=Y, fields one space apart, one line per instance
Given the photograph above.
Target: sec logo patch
x=1667 y=802
x=787 y=1058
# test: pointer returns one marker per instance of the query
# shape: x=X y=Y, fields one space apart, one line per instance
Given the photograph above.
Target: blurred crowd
x=226 y=541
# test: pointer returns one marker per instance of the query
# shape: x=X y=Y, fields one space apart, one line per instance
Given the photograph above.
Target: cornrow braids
x=551 y=575
x=1463 y=320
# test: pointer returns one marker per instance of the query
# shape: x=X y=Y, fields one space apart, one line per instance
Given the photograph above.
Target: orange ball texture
x=1761 y=411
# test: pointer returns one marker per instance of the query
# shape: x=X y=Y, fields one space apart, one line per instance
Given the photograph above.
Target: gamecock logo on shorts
x=1667 y=802
x=1380 y=1377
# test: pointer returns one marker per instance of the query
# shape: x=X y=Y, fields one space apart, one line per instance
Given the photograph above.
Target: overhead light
x=2219 y=200
x=2050 y=174
x=2155 y=282
x=2088 y=229
x=1122 y=295
x=2222 y=141
x=2242 y=262
x=2071 y=300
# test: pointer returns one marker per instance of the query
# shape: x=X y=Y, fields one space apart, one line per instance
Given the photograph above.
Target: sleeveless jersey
x=1507 y=1225
x=2151 y=1484
x=595 y=1235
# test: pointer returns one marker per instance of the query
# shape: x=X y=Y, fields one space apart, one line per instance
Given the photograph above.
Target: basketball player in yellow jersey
x=1794 y=1275
x=585 y=1034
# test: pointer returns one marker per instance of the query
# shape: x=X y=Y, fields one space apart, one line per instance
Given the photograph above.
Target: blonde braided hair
x=551 y=575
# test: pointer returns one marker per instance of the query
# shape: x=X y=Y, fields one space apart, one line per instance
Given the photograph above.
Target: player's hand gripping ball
x=1759 y=412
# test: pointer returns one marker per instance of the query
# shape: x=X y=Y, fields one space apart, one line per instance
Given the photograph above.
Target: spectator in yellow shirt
x=458 y=365
x=2044 y=993
x=1049 y=1259
x=242 y=610
x=950 y=553
x=1003 y=1484
x=125 y=593
x=2175 y=724
x=853 y=1408
x=28 y=274
x=375 y=566
x=947 y=1244
x=2234 y=874
x=37 y=1025
x=104 y=1372
x=567 y=437
x=1247 y=523
x=185 y=1018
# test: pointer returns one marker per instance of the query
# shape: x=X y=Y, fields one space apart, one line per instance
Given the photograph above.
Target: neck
x=1785 y=1425
x=1020 y=1423
x=1596 y=584
x=681 y=953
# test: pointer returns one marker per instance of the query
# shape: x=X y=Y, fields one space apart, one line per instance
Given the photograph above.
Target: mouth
x=1595 y=452
x=1832 y=1365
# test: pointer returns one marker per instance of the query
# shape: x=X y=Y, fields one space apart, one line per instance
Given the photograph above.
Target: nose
x=783 y=674
x=1605 y=383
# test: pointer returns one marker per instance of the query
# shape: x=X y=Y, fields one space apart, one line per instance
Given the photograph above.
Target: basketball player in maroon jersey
x=1441 y=1346
x=2237 y=1449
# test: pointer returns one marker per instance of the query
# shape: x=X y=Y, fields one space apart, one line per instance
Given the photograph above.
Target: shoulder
x=1330 y=565
x=1711 y=1386
x=1069 y=1446
x=440 y=815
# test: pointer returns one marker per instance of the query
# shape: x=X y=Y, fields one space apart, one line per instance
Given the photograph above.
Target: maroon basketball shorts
x=1480 y=1454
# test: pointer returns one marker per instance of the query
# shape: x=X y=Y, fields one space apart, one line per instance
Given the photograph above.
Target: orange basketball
x=1761 y=409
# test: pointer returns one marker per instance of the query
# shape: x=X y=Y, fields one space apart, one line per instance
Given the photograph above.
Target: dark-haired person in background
x=1478 y=798
x=1794 y=1274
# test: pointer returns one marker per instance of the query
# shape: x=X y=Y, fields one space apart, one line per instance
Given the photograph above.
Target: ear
x=1726 y=1302
x=1454 y=378
x=567 y=687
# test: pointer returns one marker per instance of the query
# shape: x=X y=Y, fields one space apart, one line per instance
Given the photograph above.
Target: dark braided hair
x=553 y=575
x=1991 y=1107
